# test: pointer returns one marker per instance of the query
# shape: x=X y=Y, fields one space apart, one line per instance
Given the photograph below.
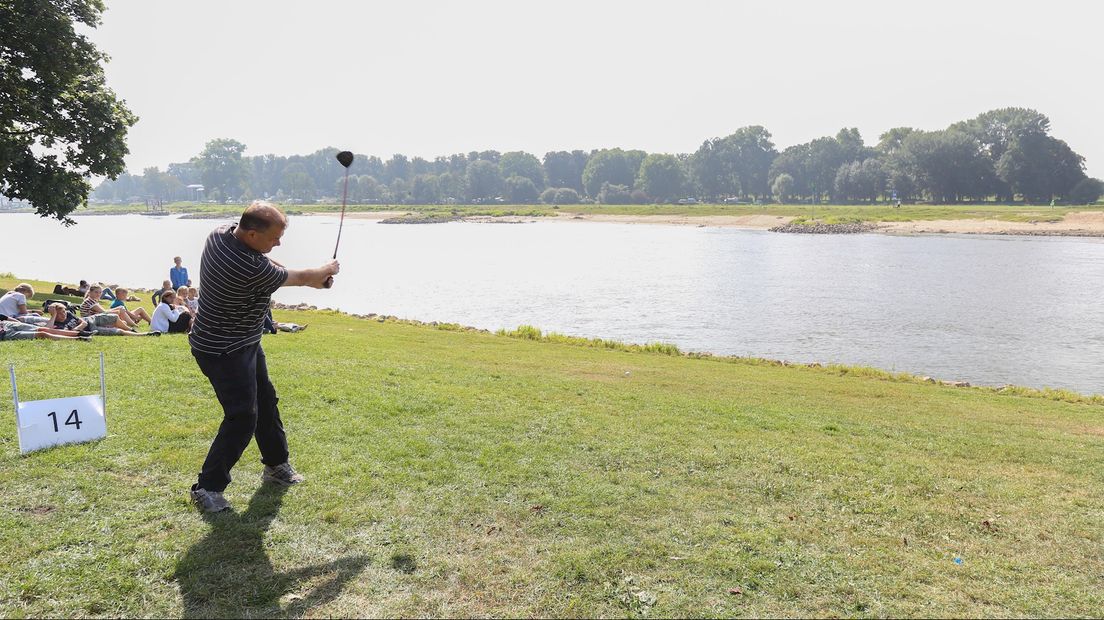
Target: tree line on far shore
x=1005 y=155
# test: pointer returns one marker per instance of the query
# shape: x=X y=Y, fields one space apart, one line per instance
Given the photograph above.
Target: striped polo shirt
x=91 y=307
x=236 y=283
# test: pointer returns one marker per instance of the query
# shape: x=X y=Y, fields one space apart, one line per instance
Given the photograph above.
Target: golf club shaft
x=344 y=196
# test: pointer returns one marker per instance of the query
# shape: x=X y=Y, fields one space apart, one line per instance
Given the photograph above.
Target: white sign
x=45 y=423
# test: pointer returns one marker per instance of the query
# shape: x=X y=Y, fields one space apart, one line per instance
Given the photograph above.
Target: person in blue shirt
x=178 y=275
x=137 y=315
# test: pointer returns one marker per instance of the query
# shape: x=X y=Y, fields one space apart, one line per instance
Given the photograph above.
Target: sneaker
x=281 y=474
x=152 y=334
x=209 y=501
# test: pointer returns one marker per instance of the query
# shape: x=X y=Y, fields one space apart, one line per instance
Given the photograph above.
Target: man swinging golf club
x=237 y=281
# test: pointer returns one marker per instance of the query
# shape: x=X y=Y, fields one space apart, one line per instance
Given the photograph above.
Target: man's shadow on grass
x=228 y=573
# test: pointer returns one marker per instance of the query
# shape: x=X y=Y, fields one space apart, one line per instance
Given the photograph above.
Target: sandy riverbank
x=1085 y=224
x=758 y=222
x=1079 y=224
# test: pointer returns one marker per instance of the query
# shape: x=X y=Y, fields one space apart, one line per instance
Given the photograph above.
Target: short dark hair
x=260 y=216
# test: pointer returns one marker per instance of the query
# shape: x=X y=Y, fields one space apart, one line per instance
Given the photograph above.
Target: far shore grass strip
x=827 y=214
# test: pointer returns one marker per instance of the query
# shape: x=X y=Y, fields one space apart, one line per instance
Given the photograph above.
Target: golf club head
x=346 y=158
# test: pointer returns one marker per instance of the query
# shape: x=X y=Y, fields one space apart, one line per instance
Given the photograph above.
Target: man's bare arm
x=314 y=278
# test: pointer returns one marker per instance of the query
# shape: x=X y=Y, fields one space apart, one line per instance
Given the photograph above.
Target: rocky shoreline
x=422 y=218
x=825 y=229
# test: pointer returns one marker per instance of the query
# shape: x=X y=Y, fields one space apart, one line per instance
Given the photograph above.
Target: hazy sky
x=434 y=78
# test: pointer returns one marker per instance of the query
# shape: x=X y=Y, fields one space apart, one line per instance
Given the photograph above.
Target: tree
x=1040 y=168
x=890 y=141
x=852 y=147
x=843 y=188
x=609 y=166
x=400 y=192
x=121 y=189
x=793 y=161
x=425 y=190
x=452 y=186
x=1086 y=192
x=159 y=185
x=614 y=194
x=564 y=169
x=483 y=179
x=59 y=122
x=782 y=188
x=949 y=165
x=825 y=156
x=521 y=190
x=567 y=196
x=222 y=169
x=297 y=183
x=712 y=170
x=997 y=130
x=522 y=164
x=661 y=177
x=398 y=167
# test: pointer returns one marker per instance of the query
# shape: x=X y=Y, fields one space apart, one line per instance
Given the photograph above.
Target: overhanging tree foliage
x=59 y=122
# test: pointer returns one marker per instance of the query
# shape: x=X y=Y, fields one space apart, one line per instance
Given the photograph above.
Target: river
x=989 y=310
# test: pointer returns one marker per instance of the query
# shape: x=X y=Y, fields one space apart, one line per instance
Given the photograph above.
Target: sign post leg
x=103 y=387
x=15 y=392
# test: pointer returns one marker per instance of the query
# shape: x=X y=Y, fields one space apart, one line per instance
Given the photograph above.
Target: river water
x=985 y=309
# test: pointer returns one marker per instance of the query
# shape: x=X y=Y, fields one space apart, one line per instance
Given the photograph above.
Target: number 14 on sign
x=73 y=419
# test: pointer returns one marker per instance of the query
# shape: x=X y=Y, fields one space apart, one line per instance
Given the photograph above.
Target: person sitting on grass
x=97 y=317
x=165 y=286
x=14 y=330
x=170 y=318
x=136 y=315
x=193 y=300
x=13 y=305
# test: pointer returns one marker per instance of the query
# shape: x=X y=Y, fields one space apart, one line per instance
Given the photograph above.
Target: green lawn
x=462 y=473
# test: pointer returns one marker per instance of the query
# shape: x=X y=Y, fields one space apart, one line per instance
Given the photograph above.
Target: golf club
x=346 y=159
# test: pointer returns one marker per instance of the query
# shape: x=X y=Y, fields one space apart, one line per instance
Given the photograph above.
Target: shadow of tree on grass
x=228 y=573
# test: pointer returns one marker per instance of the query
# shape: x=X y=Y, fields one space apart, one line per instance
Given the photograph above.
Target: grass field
x=824 y=213
x=463 y=473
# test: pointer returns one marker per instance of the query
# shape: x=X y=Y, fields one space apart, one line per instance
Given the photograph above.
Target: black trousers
x=249 y=409
x=182 y=325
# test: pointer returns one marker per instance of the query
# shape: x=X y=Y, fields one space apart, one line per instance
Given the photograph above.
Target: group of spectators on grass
x=174 y=307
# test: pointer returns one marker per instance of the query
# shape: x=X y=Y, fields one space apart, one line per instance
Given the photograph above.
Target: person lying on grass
x=170 y=318
x=61 y=289
x=15 y=330
x=61 y=318
x=91 y=309
x=13 y=305
x=271 y=326
x=137 y=315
